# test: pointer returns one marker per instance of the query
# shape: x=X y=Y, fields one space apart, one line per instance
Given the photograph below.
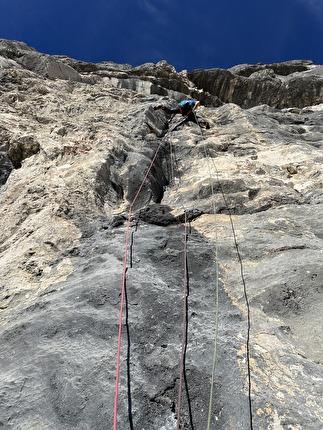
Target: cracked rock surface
x=76 y=140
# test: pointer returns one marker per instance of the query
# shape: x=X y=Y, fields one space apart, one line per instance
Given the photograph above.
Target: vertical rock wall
x=76 y=142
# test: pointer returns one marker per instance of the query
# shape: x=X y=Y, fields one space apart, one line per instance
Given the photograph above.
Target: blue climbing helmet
x=186 y=106
x=190 y=102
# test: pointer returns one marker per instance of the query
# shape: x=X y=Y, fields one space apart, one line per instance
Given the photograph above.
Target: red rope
x=184 y=329
x=124 y=277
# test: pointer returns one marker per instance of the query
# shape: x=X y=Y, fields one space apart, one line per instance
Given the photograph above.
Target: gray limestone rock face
x=219 y=233
x=21 y=148
x=34 y=61
x=5 y=163
x=289 y=84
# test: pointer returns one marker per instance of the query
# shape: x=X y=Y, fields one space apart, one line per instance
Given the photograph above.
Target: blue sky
x=188 y=34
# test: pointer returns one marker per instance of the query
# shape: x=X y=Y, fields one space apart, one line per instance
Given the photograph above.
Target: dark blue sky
x=188 y=34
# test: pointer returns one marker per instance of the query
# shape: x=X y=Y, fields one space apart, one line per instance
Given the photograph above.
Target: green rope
x=245 y=295
x=215 y=340
x=215 y=347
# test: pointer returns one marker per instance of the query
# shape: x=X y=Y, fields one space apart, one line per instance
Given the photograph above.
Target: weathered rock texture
x=291 y=84
x=76 y=140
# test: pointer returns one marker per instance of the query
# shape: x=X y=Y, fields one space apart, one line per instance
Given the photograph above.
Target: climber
x=186 y=108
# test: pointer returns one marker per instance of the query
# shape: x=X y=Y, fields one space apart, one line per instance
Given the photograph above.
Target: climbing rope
x=129 y=247
x=184 y=335
x=244 y=291
x=184 y=326
x=215 y=345
x=123 y=289
x=185 y=297
x=185 y=293
x=248 y=311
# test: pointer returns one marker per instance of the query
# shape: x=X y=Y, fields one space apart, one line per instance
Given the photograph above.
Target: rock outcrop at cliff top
x=282 y=85
x=76 y=140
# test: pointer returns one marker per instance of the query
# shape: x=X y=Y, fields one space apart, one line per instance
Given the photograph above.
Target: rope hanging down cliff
x=244 y=292
x=184 y=325
x=185 y=295
x=185 y=310
x=128 y=247
x=124 y=276
x=185 y=313
x=123 y=290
